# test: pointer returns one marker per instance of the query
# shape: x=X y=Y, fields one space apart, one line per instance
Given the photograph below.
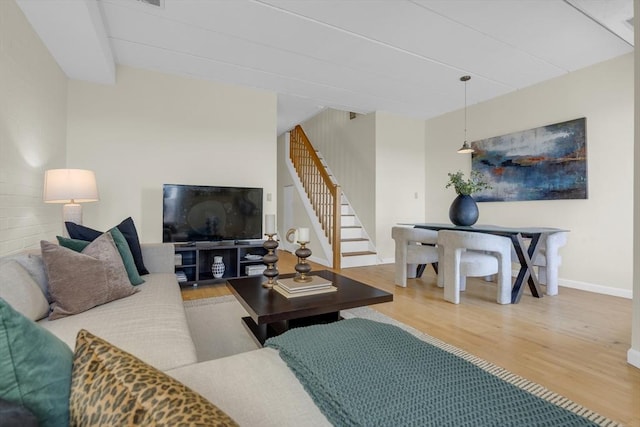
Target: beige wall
x=380 y=159
x=400 y=177
x=33 y=93
x=345 y=143
x=598 y=255
x=152 y=128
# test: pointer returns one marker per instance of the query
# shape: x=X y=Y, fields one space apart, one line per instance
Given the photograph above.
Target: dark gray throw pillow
x=126 y=227
x=14 y=415
x=79 y=281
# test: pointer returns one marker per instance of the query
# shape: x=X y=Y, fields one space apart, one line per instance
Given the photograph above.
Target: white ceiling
x=400 y=56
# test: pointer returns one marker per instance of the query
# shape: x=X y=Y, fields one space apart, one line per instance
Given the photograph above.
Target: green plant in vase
x=467 y=187
x=464 y=210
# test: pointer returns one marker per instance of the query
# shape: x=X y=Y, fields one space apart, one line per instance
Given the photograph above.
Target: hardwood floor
x=574 y=343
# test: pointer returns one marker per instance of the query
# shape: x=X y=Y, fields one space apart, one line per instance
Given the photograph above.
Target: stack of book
x=291 y=289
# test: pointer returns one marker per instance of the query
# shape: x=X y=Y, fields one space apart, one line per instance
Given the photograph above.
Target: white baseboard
x=598 y=289
x=590 y=287
x=633 y=357
x=574 y=284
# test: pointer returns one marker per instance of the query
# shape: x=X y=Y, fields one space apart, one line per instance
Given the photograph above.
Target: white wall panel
x=33 y=96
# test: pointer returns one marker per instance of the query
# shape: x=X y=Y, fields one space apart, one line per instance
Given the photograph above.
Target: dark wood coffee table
x=271 y=314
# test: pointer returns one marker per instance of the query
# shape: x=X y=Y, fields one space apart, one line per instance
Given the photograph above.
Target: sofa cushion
x=122 y=246
x=35 y=368
x=18 y=288
x=128 y=229
x=150 y=324
x=80 y=281
x=117 y=388
x=266 y=377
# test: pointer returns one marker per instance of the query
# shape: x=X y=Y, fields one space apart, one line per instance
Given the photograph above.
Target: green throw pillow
x=127 y=256
x=73 y=244
x=122 y=246
x=35 y=368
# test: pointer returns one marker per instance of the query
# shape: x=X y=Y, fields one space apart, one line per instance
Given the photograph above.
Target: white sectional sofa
x=152 y=325
x=145 y=324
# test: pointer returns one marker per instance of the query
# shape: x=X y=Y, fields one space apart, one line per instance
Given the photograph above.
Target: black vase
x=463 y=210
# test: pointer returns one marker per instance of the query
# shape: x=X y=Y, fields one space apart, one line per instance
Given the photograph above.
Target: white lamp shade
x=70 y=186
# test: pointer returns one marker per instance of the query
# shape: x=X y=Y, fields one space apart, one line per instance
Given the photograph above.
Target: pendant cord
x=465 y=111
x=465 y=146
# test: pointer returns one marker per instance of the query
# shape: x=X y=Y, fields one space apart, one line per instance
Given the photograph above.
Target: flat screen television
x=195 y=213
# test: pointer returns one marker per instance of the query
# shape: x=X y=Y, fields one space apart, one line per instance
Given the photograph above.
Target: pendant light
x=465 y=149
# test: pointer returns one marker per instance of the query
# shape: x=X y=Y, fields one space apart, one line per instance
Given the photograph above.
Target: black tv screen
x=192 y=213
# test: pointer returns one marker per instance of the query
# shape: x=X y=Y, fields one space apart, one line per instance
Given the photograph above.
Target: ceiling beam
x=75 y=34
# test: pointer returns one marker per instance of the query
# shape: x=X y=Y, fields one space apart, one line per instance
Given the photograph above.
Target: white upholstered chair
x=548 y=260
x=414 y=246
x=476 y=255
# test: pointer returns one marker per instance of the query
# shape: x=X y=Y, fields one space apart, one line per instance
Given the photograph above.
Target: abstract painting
x=545 y=163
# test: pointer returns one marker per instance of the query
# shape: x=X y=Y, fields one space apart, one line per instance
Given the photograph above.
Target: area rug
x=218 y=331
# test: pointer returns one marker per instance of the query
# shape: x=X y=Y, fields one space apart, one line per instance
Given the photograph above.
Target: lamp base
x=72 y=212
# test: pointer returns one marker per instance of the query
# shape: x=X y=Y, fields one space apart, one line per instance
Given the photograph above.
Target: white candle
x=270 y=224
x=303 y=234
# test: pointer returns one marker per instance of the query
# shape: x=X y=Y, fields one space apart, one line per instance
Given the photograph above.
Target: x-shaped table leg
x=526 y=273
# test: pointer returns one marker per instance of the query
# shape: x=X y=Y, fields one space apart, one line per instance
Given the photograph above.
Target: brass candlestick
x=270 y=259
x=302 y=267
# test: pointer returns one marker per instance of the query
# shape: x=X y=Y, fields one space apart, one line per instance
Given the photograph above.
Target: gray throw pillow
x=31 y=260
x=80 y=281
x=122 y=246
x=19 y=289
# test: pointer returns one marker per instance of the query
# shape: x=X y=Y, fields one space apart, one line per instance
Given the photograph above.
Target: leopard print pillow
x=110 y=387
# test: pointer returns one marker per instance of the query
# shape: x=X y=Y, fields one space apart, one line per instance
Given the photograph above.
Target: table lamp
x=71 y=187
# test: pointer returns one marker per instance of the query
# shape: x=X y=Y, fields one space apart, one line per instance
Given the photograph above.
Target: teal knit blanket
x=365 y=373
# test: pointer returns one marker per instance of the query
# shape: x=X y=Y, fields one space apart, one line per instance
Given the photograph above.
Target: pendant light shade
x=465 y=149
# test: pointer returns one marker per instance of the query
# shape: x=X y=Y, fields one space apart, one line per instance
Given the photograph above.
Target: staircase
x=356 y=247
x=348 y=240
